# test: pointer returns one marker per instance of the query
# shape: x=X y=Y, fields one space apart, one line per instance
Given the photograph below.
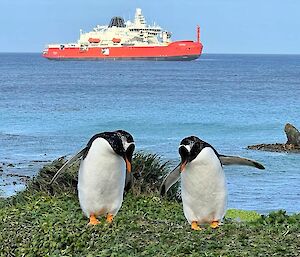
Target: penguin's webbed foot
x=195 y=226
x=93 y=220
x=109 y=218
x=214 y=224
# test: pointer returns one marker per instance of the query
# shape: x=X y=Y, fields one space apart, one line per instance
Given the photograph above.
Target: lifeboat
x=116 y=40
x=94 y=40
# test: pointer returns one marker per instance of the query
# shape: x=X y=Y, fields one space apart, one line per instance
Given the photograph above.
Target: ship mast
x=198 y=33
x=139 y=19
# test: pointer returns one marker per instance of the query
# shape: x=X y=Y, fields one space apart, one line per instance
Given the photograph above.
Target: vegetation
x=44 y=221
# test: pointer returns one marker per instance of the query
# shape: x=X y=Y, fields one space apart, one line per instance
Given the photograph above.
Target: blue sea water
x=49 y=109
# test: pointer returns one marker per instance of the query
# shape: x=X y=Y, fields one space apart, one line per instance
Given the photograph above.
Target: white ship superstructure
x=136 y=33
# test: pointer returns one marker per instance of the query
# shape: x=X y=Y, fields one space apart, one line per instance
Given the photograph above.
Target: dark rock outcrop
x=292 y=145
x=276 y=147
x=292 y=134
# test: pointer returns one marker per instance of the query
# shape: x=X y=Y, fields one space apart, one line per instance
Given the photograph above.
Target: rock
x=275 y=147
x=292 y=144
x=37 y=161
x=18 y=175
x=292 y=134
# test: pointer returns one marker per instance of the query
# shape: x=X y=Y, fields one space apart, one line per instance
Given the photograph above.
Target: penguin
x=102 y=173
x=203 y=183
x=171 y=178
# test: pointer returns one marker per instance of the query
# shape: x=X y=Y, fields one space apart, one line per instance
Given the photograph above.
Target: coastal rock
x=276 y=147
x=292 y=145
x=292 y=134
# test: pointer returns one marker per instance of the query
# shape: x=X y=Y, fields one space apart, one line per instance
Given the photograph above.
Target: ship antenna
x=198 y=33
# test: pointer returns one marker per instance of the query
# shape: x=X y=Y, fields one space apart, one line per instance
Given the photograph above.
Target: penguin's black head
x=124 y=134
x=128 y=147
x=189 y=149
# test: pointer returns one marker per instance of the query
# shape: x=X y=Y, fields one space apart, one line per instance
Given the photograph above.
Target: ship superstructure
x=126 y=40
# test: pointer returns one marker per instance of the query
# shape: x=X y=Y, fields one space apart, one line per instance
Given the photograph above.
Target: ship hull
x=176 y=51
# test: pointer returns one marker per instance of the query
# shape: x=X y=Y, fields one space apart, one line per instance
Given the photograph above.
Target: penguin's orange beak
x=128 y=156
x=128 y=165
x=184 y=154
x=182 y=166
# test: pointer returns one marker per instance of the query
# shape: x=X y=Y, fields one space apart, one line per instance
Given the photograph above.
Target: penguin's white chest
x=203 y=188
x=101 y=180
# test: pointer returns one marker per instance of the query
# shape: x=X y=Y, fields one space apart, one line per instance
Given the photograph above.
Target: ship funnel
x=117 y=22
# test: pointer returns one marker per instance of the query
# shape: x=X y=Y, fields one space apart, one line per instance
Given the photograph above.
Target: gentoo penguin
x=203 y=185
x=227 y=160
x=102 y=173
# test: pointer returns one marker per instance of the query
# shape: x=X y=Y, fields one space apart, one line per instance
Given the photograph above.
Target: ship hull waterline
x=157 y=58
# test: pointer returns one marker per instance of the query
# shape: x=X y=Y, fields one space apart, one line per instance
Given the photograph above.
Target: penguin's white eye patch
x=126 y=144
x=187 y=147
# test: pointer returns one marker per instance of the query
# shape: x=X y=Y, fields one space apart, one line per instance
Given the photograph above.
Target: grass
x=48 y=222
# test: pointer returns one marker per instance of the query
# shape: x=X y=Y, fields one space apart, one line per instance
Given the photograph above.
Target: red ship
x=126 y=40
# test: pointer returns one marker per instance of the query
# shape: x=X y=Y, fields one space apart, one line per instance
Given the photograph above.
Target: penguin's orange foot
x=215 y=224
x=93 y=220
x=195 y=226
x=109 y=218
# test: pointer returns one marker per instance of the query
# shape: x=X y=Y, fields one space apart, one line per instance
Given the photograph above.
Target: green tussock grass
x=43 y=221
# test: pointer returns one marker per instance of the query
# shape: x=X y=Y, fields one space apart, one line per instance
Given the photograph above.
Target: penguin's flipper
x=68 y=164
x=236 y=160
x=169 y=181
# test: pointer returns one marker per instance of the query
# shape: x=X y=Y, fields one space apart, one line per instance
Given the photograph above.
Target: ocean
x=49 y=109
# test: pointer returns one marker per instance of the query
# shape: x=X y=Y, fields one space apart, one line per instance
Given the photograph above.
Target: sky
x=227 y=26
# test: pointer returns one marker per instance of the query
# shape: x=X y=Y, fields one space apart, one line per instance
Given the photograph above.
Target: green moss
x=241 y=215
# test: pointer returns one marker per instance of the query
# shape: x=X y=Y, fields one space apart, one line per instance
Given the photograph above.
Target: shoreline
x=15 y=176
